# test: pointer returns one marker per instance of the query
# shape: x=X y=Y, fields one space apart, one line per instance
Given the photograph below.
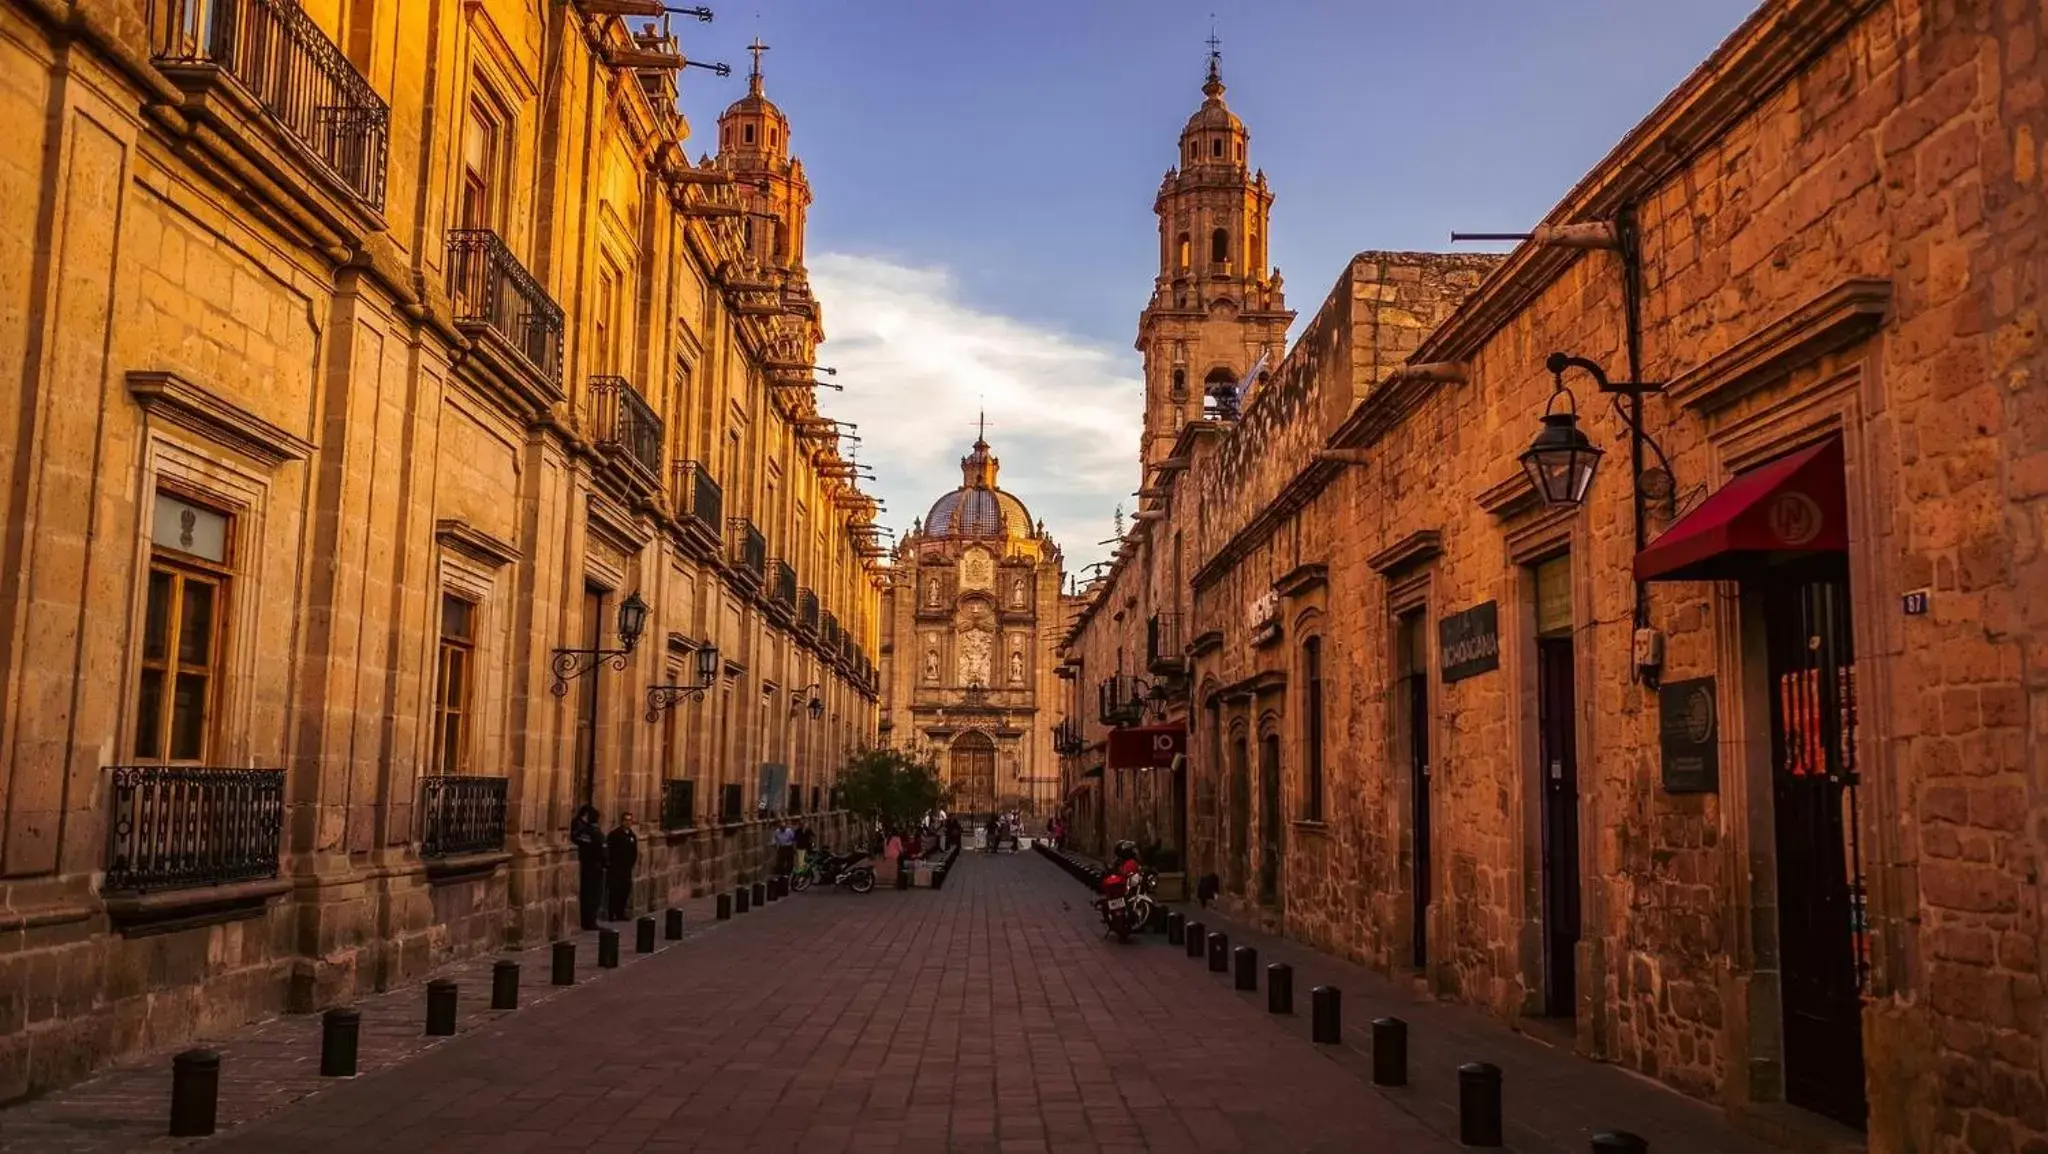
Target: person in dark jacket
x=622 y=852
x=588 y=838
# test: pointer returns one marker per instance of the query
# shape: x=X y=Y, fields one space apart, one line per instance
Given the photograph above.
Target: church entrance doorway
x=971 y=773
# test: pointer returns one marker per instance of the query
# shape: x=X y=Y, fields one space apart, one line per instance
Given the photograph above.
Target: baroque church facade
x=971 y=621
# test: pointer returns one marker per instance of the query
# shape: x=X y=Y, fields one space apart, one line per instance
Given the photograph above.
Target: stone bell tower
x=1216 y=306
x=753 y=145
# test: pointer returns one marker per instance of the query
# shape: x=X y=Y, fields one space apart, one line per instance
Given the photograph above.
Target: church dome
x=977 y=508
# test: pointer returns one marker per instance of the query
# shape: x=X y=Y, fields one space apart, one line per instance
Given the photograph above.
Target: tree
x=890 y=786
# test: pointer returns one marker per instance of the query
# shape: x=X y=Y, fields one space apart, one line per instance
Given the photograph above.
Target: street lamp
x=1560 y=462
x=816 y=708
x=570 y=664
x=661 y=698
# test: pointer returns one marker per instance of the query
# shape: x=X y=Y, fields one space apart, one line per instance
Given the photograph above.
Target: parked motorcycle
x=850 y=870
x=1123 y=913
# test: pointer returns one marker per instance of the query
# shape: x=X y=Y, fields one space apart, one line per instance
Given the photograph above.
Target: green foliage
x=890 y=786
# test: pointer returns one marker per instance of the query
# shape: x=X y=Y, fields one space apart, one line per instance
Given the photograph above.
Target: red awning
x=1793 y=506
x=1146 y=746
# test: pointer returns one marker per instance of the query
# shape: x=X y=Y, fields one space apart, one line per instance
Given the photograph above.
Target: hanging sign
x=1470 y=642
x=1689 y=733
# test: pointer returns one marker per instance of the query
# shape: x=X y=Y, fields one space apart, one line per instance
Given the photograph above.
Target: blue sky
x=984 y=173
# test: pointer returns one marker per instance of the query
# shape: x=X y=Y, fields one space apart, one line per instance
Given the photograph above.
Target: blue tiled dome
x=977 y=508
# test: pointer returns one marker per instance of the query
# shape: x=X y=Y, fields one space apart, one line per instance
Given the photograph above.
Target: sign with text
x=1146 y=746
x=1470 y=642
x=1689 y=733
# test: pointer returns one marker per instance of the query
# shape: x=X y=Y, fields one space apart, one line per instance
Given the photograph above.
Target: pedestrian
x=805 y=842
x=588 y=838
x=622 y=853
x=953 y=831
x=785 y=849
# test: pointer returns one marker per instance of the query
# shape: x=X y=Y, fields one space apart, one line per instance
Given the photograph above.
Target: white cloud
x=917 y=363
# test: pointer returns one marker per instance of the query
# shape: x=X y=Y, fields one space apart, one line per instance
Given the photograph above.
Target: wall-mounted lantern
x=570 y=664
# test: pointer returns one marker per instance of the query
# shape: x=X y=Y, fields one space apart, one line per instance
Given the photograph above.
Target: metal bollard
x=674 y=929
x=607 y=949
x=724 y=907
x=760 y=894
x=1196 y=932
x=340 y=1028
x=1176 y=929
x=1479 y=1104
x=1326 y=1015
x=440 y=1007
x=1246 y=961
x=505 y=984
x=1619 y=1142
x=1219 y=952
x=774 y=889
x=1279 y=988
x=1389 y=1052
x=643 y=935
x=195 y=1093
x=741 y=899
x=565 y=964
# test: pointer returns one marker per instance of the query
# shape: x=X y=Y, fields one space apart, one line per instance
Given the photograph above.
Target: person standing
x=785 y=849
x=805 y=842
x=622 y=853
x=588 y=838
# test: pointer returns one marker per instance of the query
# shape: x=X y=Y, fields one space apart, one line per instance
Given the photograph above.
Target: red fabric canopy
x=1793 y=506
x=1146 y=746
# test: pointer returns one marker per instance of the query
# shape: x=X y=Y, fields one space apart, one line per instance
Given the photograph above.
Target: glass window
x=1312 y=670
x=182 y=632
x=452 y=692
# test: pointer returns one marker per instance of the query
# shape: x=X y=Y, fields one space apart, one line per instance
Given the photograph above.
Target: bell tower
x=1216 y=307
x=753 y=145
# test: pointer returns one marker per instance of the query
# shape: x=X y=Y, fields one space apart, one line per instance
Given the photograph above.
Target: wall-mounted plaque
x=1689 y=733
x=1470 y=642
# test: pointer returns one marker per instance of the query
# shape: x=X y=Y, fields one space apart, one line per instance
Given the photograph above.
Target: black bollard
x=1245 y=959
x=740 y=899
x=674 y=929
x=607 y=949
x=774 y=889
x=643 y=935
x=504 y=984
x=1219 y=952
x=1479 y=1104
x=724 y=907
x=760 y=894
x=441 y=1007
x=1196 y=932
x=1176 y=929
x=1279 y=988
x=902 y=875
x=1389 y=1052
x=195 y=1093
x=1619 y=1142
x=340 y=1027
x=565 y=964
x=1326 y=1015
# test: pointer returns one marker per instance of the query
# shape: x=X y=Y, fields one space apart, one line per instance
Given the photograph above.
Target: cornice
x=166 y=394
x=474 y=543
x=1302 y=579
x=1835 y=319
x=1414 y=549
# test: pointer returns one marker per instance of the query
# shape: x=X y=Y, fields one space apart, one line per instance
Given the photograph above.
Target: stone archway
x=971 y=773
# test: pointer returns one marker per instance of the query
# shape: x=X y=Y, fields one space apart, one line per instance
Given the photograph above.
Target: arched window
x=1312 y=740
x=1185 y=255
x=1219 y=246
x=1180 y=384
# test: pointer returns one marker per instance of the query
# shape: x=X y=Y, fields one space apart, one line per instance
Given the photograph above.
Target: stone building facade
x=1727 y=773
x=377 y=358
x=972 y=621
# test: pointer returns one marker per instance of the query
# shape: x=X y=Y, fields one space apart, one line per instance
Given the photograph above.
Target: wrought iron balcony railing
x=1066 y=738
x=491 y=289
x=461 y=815
x=828 y=632
x=621 y=419
x=748 y=551
x=299 y=76
x=782 y=584
x=678 y=804
x=698 y=497
x=1121 y=700
x=807 y=612
x=1163 y=652
x=178 y=826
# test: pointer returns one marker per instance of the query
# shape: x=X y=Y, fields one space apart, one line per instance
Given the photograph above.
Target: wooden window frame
x=1315 y=785
x=451 y=650
x=183 y=569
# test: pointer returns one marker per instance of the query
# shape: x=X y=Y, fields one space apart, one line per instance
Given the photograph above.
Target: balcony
x=806 y=613
x=180 y=826
x=828 y=633
x=700 y=504
x=782 y=590
x=494 y=294
x=622 y=423
x=678 y=804
x=746 y=552
x=1121 y=700
x=281 y=59
x=1165 y=653
x=1067 y=740
x=461 y=815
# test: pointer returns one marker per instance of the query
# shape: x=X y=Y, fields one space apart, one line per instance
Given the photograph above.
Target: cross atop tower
x=757 y=48
x=1215 y=50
